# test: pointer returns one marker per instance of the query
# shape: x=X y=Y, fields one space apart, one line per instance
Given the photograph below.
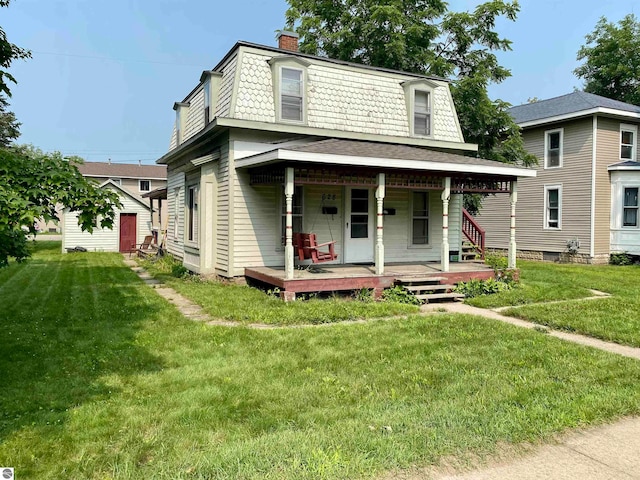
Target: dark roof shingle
x=566 y=104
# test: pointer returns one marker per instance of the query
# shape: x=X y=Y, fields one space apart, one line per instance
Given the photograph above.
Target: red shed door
x=127 y=232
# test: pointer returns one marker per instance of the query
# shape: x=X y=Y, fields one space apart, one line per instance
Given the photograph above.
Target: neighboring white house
x=272 y=142
x=132 y=224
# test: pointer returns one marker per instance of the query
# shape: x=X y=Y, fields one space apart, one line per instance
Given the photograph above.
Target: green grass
x=250 y=305
x=614 y=319
x=103 y=379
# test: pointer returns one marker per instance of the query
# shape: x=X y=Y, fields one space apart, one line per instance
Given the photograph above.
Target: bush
x=398 y=294
x=363 y=295
x=476 y=288
x=620 y=259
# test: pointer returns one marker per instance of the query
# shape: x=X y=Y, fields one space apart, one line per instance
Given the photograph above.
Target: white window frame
x=117 y=181
x=634 y=152
x=298 y=193
x=624 y=207
x=427 y=113
x=176 y=210
x=420 y=217
x=206 y=87
x=547 y=143
x=302 y=94
x=140 y=185
x=547 y=188
x=191 y=214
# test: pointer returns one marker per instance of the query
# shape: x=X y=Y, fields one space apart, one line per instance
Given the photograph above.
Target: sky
x=105 y=74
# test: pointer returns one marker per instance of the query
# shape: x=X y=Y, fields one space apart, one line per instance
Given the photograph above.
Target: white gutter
x=580 y=113
x=357 y=161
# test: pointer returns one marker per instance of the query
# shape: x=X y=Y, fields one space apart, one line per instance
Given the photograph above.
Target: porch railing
x=474 y=232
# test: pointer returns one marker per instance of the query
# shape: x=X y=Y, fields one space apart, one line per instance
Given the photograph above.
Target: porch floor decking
x=334 y=277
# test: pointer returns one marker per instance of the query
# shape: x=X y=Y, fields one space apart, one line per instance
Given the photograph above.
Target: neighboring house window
x=420 y=219
x=176 y=216
x=291 y=94
x=296 y=213
x=628 y=134
x=422 y=113
x=553 y=207
x=630 y=207
x=553 y=140
x=192 y=213
x=207 y=101
x=117 y=181
x=144 y=185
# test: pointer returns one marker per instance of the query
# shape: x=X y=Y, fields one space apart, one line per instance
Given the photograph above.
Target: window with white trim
x=553 y=207
x=553 y=140
x=297 y=210
x=628 y=134
x=420 y=218
x=117 y=181
x=192 y=213
x=176 y=216
x=144 y=185
x=207 y=101
x=630 y=207
x=422 y=113
x=292 y=94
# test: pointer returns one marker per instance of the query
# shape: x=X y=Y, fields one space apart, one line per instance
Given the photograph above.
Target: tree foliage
x=8 y=53
x=611 y=57
x=32 y=183
x=422 y=36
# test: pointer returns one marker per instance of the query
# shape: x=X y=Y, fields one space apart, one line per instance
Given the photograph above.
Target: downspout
x=592 y=238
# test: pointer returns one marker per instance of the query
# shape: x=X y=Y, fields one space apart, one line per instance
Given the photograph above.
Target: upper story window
x=628 y=134
x=553 y=207
x=553 y=140
x=419 y=96
x=207 y=101
x=289 y=75
x=630 y=207
x=144 y=185
x=291 y=94
x=422 y=113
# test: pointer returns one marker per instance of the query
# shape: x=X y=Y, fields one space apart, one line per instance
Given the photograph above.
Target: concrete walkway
x=603 y=453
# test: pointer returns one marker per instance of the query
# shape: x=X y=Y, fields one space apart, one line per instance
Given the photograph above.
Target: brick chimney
x=287 y=40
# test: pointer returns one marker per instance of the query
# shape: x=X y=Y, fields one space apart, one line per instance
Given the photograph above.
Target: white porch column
x=288 y=245
x=513 y=197
x=446 y=195
x=380 y=224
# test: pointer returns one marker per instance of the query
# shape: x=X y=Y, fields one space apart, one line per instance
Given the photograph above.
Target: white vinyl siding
x=175 y=202
x=223 y=108
x=194 y=121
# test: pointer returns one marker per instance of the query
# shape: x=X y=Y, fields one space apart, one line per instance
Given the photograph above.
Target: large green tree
x=611 y=57
x=423 y=36
x=32 y=182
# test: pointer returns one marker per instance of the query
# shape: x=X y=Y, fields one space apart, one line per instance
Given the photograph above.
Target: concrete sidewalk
x=608 y=452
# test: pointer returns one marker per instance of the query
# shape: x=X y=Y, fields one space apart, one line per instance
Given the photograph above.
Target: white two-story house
x=272 y=142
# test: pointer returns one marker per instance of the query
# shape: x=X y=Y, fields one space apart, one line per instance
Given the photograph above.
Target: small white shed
x=132 y=223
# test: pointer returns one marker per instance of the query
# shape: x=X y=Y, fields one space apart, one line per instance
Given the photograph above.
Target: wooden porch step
x=422 y=288
x=410 y=280
x=440 y=296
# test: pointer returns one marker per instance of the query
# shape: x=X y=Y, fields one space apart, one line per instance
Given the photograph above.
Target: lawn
x=249 y=305
x=615 y=319
x=103 y=379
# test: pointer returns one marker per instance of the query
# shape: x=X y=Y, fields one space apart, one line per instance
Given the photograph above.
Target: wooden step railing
x=474 y=232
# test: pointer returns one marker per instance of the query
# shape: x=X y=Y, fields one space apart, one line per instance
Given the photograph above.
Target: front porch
x=332 y=278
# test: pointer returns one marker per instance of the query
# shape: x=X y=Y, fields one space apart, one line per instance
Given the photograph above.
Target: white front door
x=358 y=244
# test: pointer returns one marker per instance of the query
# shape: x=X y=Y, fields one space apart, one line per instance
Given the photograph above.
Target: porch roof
x=383 y=155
